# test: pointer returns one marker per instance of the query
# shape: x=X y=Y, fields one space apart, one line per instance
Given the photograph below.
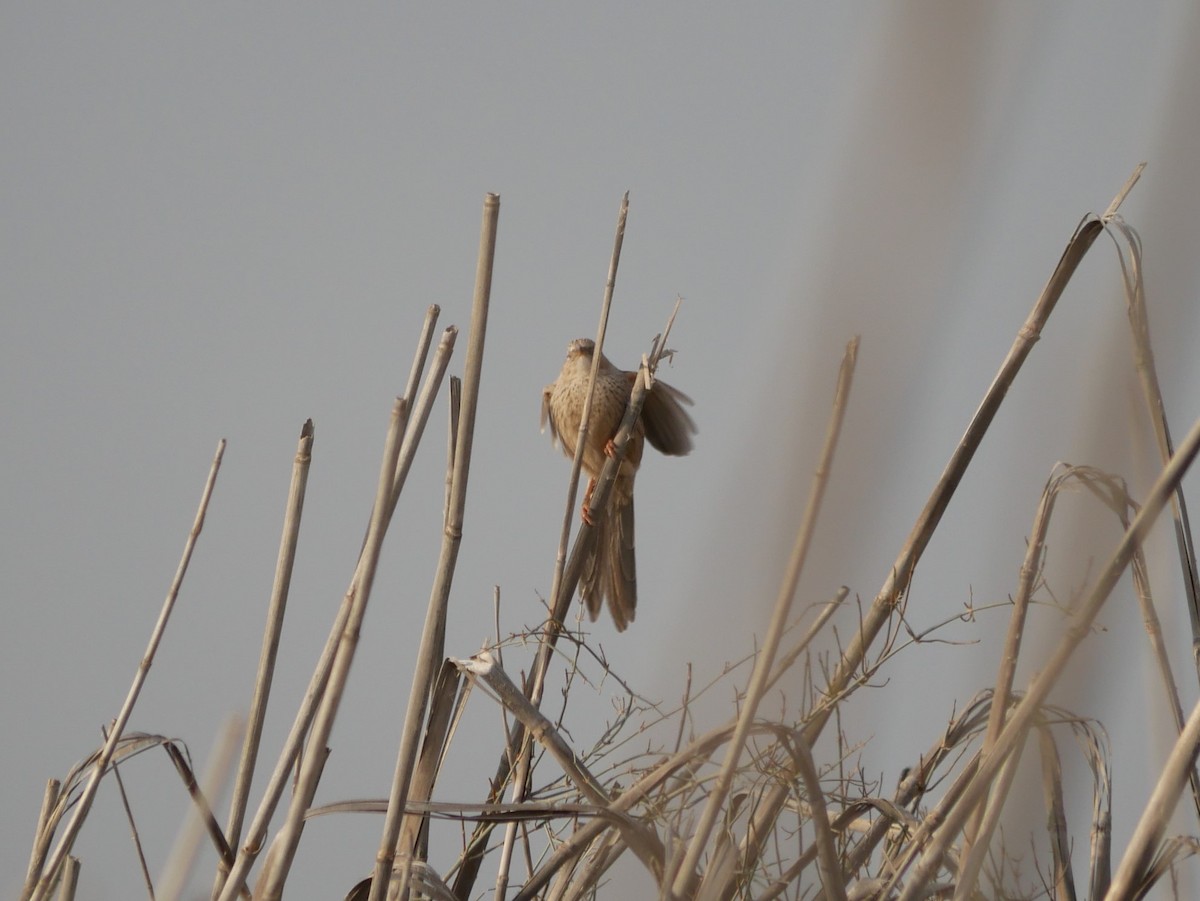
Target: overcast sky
x=223 y=219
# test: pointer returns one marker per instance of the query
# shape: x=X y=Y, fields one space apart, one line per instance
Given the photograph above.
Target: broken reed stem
x=37 y=891
x=313 y=760
x=698 y=749
x=276 y=608
x=1025 y=711
x=418 y=363
x=763 y=663
x=183 y=855
x=43 y=833
x=896 y=584
x=419 y=417
x=431 y=650
x=642 y=840
x=70 y=879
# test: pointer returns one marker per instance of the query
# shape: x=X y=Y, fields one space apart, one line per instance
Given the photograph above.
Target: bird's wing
x=548 y=414
x=669 y=428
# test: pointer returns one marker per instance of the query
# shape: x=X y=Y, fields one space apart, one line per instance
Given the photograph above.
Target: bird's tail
x=610 y=571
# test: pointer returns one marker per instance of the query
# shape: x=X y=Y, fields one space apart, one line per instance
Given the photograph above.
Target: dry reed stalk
x=37 y=891
x=43 y=833
x=418 y=364
x=248 y=854
x=1112 y=492
x=133 y=831
x=413 y=432
x=419 y=416
x=641 y=838
x=828 y=864
x=257 y=833
x=1031 y=568
x=431 y=651
x=200 y=818
x=537 y=682
x=70 y=879
x=1024 y=712
x=1052 y=788
x=445 y=708
x=722 y=873
x=684 y=879
x=556 y=585
x=1130 y=878
x=276 y=608
x=1143 y=358
x=313 y=760
x=697 y=751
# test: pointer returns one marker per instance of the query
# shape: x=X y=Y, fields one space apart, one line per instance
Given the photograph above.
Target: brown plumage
x=610 y=572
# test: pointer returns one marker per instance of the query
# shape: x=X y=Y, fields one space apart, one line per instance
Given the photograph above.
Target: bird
x=610 y=570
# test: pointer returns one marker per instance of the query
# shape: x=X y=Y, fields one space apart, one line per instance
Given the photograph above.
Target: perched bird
x=610 y=571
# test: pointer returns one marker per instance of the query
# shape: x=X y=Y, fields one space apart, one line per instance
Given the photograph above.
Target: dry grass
x=770 y=804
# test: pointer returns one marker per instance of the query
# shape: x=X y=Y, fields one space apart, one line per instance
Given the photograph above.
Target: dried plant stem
x=1153 y=823
x=304 y=717
x=697 y=750
x=179 y=865
x=642 y=840
x=431 y=651
x=556 y=585
x=257 y=833
x=43 y=833
x=1031 y=566
x=419 y=417
x=313 y=760
x=1052 y=788
x=137 y=839
x=1143 y=358
x=418 y=363
x=276 y=608
x=1024 y=712
x=550 y=637
x=39 y=890
x=683 y=879
x=70 y=879
x=828 y=864
x=896 y=584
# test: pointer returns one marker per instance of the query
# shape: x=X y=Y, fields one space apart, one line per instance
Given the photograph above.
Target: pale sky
x=222 y=220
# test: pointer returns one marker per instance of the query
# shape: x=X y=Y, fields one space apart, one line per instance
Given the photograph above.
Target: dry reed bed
x=746 y=810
